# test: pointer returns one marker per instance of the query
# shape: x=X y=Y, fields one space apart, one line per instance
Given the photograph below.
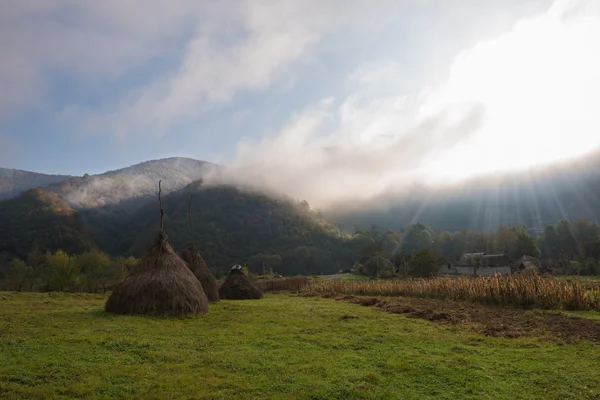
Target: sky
x=320 y=99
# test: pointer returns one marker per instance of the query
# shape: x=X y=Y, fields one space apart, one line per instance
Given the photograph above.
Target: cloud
x=527 y=97
x=215 y=50
x=540 y=86
x=92 y=40
x=376 y=146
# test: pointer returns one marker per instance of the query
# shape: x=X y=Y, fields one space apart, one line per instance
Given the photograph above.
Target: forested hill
x=13 y=182
x=137 y=182
x=37 y=218
x=233 y=226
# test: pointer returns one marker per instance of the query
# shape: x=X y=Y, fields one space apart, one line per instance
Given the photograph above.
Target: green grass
x=281 y=347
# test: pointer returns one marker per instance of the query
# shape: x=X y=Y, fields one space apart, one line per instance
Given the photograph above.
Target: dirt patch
x=489 y=320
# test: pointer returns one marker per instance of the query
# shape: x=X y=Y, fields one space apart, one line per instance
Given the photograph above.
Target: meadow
x=56 y=345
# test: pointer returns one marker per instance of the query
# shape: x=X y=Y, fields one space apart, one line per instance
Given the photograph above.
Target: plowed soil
x=489 y=320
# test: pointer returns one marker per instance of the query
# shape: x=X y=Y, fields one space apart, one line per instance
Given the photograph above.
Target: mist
x=527 y=98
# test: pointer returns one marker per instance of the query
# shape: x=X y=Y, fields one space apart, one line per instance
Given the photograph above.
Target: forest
x=564 y=248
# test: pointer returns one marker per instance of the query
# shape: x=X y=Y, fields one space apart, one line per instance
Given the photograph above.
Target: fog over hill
x=535 y=197
x=139 y=181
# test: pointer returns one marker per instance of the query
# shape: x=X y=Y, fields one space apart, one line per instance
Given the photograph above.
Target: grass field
x=281 y=347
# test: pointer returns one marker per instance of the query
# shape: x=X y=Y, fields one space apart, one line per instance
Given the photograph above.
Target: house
x=479 y=264
x=525 y=262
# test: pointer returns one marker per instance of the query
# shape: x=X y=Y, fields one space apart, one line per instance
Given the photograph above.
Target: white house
x=479 y=264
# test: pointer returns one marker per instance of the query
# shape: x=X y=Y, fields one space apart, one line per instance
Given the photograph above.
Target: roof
x=496 y=259
x=469 y=258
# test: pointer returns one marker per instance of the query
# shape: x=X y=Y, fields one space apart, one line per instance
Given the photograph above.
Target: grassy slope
x=281 y=347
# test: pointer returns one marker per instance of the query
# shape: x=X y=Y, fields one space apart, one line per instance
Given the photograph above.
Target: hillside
x=233 y=226
x=37 y=218
x=117 y=212
x=13 y=182
x=137 y=182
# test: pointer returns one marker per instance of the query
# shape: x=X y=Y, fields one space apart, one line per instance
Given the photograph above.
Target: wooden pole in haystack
x=190 y=223
x=162 y=212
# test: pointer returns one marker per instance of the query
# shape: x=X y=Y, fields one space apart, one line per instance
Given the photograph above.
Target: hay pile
x=160 y=284
x=237 y=286
x=196 y=264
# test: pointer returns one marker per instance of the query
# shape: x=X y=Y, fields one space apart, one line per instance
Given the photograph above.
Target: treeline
x=300 y=244
x=566 y=248
x=92 y=271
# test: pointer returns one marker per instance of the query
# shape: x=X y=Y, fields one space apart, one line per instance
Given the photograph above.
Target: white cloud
x=540 y=86
x=218 y=49
x=93 y=40
x=527 y=97
x=375 y=146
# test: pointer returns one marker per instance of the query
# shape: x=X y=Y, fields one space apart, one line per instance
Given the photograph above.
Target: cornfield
x=516 y=290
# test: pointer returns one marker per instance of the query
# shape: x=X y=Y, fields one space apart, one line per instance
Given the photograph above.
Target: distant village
x=482 y=264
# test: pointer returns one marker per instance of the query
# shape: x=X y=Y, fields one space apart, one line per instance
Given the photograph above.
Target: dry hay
x=237 y=286
x=160 y=284
x=198 y=266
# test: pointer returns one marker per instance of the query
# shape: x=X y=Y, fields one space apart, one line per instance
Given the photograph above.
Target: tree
x=36 y=260
x=65 y=270
x=95 y=268
x=444 y=245
x=117 y=271
x=375 y=258
x=566 y=245
x=524 y=245
x=300 y=258
x=418 y=236
x=19 y=274
x=423 y=263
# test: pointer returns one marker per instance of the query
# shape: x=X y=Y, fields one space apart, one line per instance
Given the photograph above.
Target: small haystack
x=196 y=264
x=237 y=286
x=160 y=284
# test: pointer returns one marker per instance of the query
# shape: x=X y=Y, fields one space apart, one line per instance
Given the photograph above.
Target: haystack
x=196 y=264
x=237 y=286
x=160 y=284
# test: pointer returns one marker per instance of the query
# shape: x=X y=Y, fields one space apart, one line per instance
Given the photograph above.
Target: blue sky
x=94 y=86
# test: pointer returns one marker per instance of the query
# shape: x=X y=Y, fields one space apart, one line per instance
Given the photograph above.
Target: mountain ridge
x=14 y=182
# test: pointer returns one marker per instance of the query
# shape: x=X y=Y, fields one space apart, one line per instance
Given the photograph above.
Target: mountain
x=230 y=227
x=131 y=185
x=13 y=182
x=536 y=198
x=118 y=213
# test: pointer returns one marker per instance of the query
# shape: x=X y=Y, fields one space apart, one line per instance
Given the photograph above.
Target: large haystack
x=237 y=286
x=196 y=264
x=160 y=284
